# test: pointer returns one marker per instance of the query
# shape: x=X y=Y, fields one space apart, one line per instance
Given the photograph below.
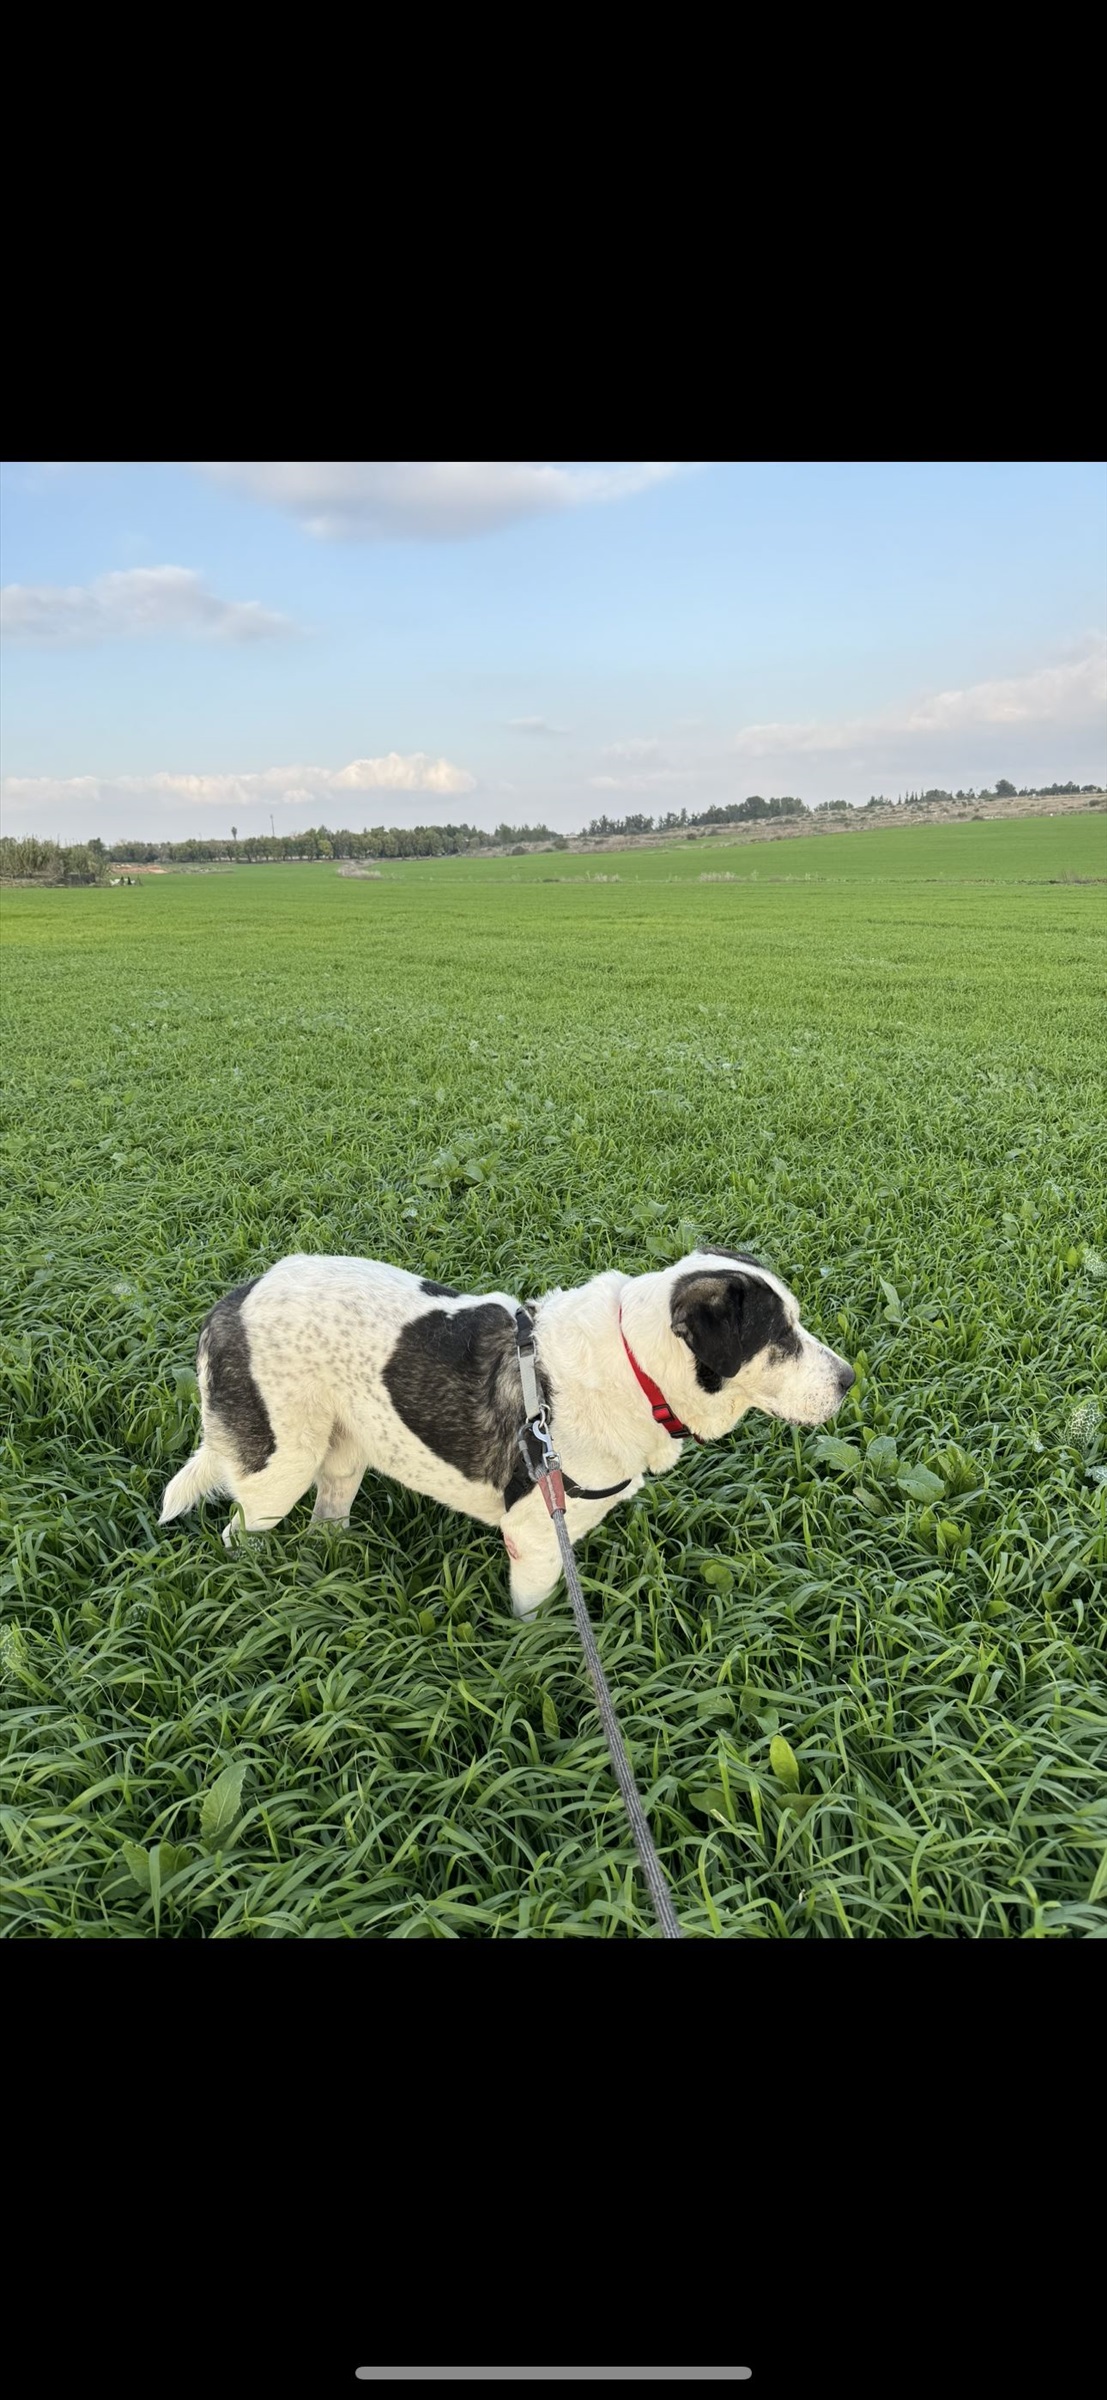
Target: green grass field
x=886 y=1079
x=1022 y=850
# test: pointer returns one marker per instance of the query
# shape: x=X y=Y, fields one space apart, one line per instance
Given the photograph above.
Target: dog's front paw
x=526 y=1600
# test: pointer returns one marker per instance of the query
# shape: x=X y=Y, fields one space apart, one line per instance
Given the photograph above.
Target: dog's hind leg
x=264 y=1499
x=338 y=1478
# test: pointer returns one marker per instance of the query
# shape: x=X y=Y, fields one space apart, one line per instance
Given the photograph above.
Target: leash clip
x=548 y=1475
x=539 y=1428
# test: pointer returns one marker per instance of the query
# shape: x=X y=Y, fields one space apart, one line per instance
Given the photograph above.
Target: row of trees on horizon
x=25 y=857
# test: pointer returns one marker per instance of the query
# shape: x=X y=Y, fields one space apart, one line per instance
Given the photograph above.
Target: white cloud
x=132 y=602
x=1061 y=695
x=647 y=782
x=293 y=787
x=418 y=773
x=1070 y=695
x=427 y=499
x=638 y=751
x=642 y=766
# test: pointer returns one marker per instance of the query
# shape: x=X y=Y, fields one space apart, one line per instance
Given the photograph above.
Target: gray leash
x=550 y=1483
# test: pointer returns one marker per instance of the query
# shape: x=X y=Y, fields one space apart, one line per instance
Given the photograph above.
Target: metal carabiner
x=542 y=1435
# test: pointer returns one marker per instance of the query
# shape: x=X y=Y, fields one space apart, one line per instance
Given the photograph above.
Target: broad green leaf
x=549 y=1718
x=880 y=1457
x=427 y=1620
x=719 y=1575
x=712 y=1802
x=870 y=1500
x=783 y=1761
x=222 y=1805
x=920 y=1484
x=895 y=1304
x=174 y=1856
x=151 y=1868
x=838 y=1454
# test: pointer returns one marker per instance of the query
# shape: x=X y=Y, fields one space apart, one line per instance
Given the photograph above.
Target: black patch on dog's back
x=438 y=1291
x=726 y=1320
x=454 y=1379
x=232 y=1394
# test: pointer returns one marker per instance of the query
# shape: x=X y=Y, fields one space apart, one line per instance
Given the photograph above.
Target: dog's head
x=735 y=1342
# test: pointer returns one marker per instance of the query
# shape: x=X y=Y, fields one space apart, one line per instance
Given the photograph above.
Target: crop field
x=1023 y=850
x=860 y=1672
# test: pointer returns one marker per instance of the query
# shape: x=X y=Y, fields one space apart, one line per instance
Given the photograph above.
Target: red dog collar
x=663 y=1414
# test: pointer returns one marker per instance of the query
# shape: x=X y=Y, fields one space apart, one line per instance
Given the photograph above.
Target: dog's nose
x=846 y=1377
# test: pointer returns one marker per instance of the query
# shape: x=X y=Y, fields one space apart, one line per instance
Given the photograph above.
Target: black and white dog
x=326 y=1366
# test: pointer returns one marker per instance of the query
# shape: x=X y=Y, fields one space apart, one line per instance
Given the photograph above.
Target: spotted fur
x=324 y=1367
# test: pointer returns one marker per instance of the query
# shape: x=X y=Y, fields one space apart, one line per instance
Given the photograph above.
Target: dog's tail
x=201 y=1474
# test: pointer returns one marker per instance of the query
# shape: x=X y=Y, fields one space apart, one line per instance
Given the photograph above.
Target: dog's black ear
x=710 y=1313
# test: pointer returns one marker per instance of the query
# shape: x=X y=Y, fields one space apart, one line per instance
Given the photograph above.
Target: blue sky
x=353 y=643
